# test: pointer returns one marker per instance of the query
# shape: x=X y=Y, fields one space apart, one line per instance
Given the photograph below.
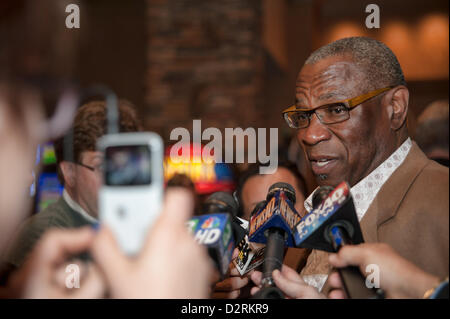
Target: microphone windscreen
x=258 y=207
x=222 y=201
x=287 y=188
x=320 y=195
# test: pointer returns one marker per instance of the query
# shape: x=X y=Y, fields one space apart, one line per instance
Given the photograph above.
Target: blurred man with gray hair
x=432 y=131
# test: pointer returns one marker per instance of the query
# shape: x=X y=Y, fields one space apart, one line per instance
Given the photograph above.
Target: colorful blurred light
x=207 y=176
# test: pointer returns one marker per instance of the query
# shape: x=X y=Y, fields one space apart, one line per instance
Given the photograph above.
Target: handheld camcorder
x=131 y=196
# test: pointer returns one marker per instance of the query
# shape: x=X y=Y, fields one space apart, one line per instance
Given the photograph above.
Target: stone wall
x=204 y=62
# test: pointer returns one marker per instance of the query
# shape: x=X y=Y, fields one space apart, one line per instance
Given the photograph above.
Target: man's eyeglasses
x=97 y=168
x=327 y=114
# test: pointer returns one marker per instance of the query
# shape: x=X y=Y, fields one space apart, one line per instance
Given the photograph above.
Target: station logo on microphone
x=211 y=222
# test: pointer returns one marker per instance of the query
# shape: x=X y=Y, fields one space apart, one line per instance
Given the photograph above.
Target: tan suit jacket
x=410 y=213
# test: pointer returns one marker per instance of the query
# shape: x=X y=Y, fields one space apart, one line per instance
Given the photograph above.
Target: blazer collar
x=391 y=194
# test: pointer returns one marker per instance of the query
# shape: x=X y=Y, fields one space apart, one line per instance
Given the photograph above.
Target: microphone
x=278 y=212
x=320 y=195
x=214 y=231
x=331 y=225
x=218 y=228
x=251 y=255
x=273 y=225
x=220 y=202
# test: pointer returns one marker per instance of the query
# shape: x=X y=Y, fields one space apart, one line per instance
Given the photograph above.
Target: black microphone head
x=287 y=188
x=320 y=195
x=220 y=201
x=257 y=207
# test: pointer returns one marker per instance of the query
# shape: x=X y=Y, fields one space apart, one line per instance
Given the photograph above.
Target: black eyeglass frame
x=92 y=168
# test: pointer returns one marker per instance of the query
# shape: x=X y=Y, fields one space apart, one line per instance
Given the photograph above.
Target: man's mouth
x=322 y=165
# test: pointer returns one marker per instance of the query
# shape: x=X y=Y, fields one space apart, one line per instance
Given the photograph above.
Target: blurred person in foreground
x=183 y=181
x=21 y=121
x=351 y=104
x=81 y=177
x=432 y=131
x=252 y=188
x=18 y=127
x=398 y=277
x=150 y=275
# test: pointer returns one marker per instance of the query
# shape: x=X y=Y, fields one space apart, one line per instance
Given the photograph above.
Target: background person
x=431 y=132
x=253 y=187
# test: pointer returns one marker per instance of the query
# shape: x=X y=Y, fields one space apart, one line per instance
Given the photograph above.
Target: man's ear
x=397 y=102
x=68 y=173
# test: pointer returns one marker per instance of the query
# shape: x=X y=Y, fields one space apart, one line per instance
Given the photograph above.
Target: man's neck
x=400 y=138
x=403 y=135
x=76 y=204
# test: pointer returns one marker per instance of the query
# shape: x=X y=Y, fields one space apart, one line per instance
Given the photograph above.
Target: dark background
x=230 y=63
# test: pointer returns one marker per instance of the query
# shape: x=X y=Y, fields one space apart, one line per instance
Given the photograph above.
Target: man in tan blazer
x=410 y=213
x=350 y=115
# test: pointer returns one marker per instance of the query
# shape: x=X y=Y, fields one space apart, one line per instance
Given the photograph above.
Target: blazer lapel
x=391 y=194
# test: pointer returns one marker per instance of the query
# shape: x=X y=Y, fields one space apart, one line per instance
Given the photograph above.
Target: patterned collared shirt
x=363 y=193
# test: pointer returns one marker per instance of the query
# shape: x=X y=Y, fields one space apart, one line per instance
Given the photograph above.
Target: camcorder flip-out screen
x=128 y=165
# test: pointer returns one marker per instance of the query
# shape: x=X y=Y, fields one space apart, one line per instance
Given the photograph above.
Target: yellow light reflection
x=197 y=172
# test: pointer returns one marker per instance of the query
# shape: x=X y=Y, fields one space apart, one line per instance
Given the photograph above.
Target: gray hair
x=376 y=60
